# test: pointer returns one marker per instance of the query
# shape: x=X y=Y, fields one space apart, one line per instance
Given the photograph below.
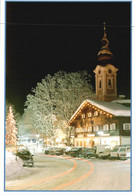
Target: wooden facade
x=93 y=125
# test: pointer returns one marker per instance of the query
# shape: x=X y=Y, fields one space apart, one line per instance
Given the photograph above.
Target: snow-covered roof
x=124 y=101
x=110 y=107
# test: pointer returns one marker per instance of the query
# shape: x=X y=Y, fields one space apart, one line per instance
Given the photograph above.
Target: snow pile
x=14 y=168
x=127 y=161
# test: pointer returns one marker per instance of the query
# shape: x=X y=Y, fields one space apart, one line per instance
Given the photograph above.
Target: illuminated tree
x=56 y=98
x=11 y=130
x=17 y=115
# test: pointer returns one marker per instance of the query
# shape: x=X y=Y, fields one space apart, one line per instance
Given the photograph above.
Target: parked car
x=26 y=156
x=60 y=151
x=84 y=149
x=120 y=152
x=52 y=151
x=102 y=151
x=89 y=152
x=124 y=153
x=76 y=152
x=67 y=150
x=47 y=149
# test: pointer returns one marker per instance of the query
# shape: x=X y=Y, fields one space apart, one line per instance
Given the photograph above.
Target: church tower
x=105 y=73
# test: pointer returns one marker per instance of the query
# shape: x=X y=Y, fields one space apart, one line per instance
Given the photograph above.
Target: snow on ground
x=13 y=167
x=127 y=161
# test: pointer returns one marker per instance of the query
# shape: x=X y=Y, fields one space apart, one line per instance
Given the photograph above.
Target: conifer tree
x=11 y=130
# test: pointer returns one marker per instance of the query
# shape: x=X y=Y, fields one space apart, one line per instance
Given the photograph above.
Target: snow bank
x=14 y=168
x=127 y=161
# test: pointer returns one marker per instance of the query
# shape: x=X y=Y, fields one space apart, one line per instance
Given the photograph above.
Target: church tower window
x=109 y=82
x=100 y=84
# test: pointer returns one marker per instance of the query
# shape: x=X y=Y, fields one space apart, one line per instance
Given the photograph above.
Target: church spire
x=105 y=72
x=104 y=55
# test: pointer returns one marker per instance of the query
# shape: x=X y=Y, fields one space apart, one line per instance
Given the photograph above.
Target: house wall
x=87 y=135
x=123 y=120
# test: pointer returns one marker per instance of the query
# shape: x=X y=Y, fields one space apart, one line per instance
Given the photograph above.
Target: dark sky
x=43 y=38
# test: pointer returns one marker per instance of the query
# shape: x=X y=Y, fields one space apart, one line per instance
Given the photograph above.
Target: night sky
x=43 y=38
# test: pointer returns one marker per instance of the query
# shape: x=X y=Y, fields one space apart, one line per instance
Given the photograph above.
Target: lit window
x=96 y=128
x=90 y=129
x=96 y=113
x=83 y=115
x=78 y=130
x=106 y=127
x=113 y=126
x=81 y=130
x=89 y=114
x=84 y=130
x=126 y=126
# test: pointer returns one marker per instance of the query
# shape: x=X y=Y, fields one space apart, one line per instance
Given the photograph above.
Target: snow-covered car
x=120 y=152
x=26 y=156
x=67 y=150
x=60 y=151
x=102 y=151
x=47 y=149
x=76 y=152
x=124 y=153
x=83 y=150
x=52 y=151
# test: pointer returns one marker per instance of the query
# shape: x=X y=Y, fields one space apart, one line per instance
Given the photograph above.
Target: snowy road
x=66 y=173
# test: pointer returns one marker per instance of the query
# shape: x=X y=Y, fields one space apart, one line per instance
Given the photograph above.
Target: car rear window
x=115 y=149
x=122 y=149
x=75 y=149
x=24 y=152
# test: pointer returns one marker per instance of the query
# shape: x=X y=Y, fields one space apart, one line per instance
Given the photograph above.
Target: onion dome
x=104 y=54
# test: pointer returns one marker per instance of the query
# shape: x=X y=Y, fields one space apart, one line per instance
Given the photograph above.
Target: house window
x=85 y=130
x=90 y=129
x=96 y=113
x=82 y=130
x=113 y=126
x=96 y=128
x=106 y=127
x=89 y=114
x=83 y=116
x=78 y=130
x=126 y=126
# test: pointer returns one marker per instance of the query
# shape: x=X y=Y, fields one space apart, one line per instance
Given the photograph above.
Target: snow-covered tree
x=57 y=97
x=72 y=90
x=11 y=130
